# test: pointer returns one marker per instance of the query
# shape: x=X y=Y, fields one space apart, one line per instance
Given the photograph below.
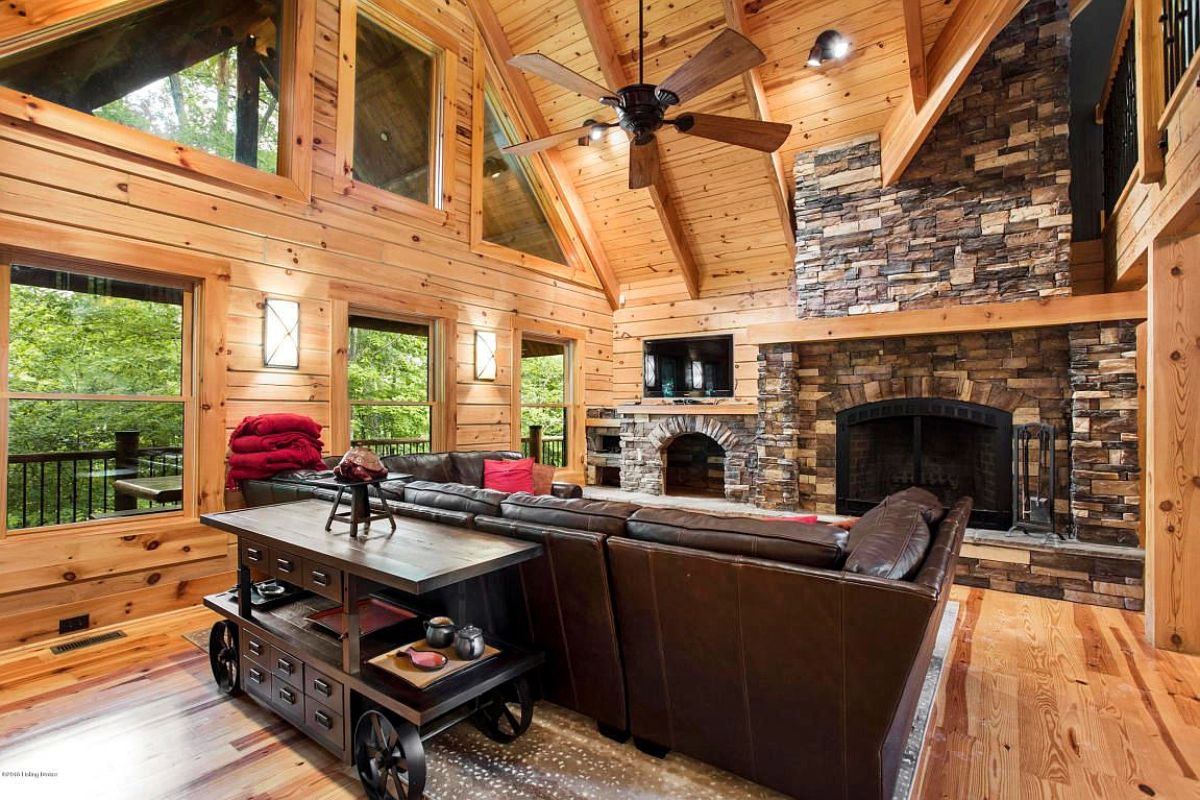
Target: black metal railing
x=1181 y=35
x=554 y=450
x=59 y=488
x=1121 y=125
x=395 y=447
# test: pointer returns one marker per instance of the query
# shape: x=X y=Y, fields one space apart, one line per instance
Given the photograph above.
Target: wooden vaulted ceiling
x=719 y=220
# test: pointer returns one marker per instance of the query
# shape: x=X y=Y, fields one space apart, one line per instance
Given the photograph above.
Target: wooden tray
x=419 y=678
x=374 y=615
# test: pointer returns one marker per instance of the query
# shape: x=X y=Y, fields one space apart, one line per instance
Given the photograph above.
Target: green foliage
x=386 y=365
x=543 y=381
x=197 y=107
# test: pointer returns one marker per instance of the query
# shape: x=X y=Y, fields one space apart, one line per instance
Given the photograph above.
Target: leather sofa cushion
x=468 y=466
x=891 y=540
x=434 y=467
x=931 y=507
x=454 y=497
x=596 y=516
x=790 y=542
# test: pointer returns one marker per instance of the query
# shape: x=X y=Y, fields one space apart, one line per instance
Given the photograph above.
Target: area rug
x=563 y=757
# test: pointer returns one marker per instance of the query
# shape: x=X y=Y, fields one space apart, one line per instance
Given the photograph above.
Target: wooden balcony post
x=1151 y=89
x=535 y=443
x=126 y=446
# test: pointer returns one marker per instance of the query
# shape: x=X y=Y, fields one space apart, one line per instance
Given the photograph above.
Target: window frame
x=575 y=341
x=413 y=28
x=441 y=319
x=191 y=504
x=294 y=177
x=577 y=269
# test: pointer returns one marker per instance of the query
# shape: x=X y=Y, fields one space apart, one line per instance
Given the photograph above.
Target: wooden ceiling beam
x=756 y=96
x=914 y=36
x=514 y=82
x=616 y=77
x=968 y=32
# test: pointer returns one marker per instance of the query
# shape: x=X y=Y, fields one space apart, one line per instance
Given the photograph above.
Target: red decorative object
x=271 y=443
x=806 y=518
x=360 y=464
x=373 y=615
x=508 y=476
x=265 y=424
x=543 y=478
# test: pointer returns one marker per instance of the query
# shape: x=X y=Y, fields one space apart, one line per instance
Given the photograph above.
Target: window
x=395 y=104
x=545 y=399
x=209 y=74
x=513 y=212
x=391 y=385
x=98 y=380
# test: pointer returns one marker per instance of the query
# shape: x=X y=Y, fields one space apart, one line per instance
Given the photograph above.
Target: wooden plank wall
x=276 y=247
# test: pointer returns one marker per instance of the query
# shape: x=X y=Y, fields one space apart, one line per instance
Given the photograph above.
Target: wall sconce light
x=494 y=167
x=485 y=355
x=830 y=45
x=281 y=333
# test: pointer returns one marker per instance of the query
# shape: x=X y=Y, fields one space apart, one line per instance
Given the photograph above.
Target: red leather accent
x=508 y=476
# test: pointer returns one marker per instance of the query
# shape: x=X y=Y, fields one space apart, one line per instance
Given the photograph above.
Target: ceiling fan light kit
x=642 y=107
x=830 y=46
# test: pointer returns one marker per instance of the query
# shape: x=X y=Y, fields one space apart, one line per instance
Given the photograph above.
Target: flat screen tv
x=700 y=366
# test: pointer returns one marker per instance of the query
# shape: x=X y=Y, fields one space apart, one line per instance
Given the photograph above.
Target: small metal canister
x=468 y=643
x=439 y=632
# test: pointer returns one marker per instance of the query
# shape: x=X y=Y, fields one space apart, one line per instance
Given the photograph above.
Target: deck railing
x=554 y=448
x=1120 y=120
x=59 y=488
x=1181 y=38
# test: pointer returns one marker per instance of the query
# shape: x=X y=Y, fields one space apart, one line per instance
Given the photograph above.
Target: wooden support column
x=616 y=77
x=914 y=36
x=1151 y=90
x=246 y=144
x=1172 y=501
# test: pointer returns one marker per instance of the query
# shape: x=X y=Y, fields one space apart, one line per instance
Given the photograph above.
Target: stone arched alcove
x=645 y=439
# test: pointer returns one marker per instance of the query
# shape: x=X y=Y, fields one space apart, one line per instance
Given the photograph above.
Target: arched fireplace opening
x=694 y=464
x=950 y=447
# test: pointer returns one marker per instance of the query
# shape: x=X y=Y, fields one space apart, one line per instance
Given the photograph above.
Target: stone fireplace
x=687 y=450
x=694 y=464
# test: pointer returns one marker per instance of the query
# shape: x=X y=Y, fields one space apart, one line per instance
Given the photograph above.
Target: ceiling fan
x=642 y=107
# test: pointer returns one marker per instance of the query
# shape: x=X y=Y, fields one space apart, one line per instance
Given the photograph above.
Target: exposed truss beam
x=914 y=35
x=968 y=32
x=514 y=82
x=756 y=96
x=616 y=77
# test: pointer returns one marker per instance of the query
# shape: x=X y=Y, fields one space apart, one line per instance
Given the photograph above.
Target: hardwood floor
x=1041 y=699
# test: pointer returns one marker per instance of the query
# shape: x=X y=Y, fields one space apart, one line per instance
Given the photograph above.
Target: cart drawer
x=256 y=680
x=255 y=555
x=287 y=700
x=322 y=579
x=324 y=724
x=286 y=666
x=255 y=649
x=287 y=566
x=323 y=689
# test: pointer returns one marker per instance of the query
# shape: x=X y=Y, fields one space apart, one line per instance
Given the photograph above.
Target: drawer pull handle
x=255 y=648
x=256 y=675
x=288 y=696
x=324 y=720
x=285 y=564
x=322 y=687
x=253 y=554
x=320 y=578
x=285 y=665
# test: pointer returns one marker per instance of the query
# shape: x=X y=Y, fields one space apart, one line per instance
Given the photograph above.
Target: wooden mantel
x=685 y=409
x=1044 y=313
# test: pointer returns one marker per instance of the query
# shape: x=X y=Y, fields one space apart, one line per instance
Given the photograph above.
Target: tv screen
x=700 y=366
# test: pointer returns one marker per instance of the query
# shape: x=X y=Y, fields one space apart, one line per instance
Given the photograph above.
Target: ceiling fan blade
x=546 y=142
x=755 y=134
x=551 y=70
x=725 y=57
x=643 y=164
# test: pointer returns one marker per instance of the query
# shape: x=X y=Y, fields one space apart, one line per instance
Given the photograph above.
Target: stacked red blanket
x=269 y=443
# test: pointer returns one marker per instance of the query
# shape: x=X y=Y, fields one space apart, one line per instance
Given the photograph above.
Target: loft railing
x=59 y=488
x=1120 y=120
x=1181 y=38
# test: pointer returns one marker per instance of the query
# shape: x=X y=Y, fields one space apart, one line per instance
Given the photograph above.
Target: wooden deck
x=1041 y=699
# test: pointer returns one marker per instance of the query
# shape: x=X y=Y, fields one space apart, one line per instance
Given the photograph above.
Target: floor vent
x=87 y=641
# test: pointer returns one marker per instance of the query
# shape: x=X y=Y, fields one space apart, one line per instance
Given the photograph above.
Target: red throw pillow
x=808 y=518
x=508 y=476
x=543 y=478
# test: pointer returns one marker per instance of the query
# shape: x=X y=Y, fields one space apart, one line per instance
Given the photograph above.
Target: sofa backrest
x=595 y=516
x=468 y=465
x=435 y=467
x=891 y=540
x=454 y=497
x=813 y=545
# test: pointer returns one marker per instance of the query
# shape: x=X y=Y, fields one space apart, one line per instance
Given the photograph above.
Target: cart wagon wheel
x=384 y=753
x=506 y=712
x=223 y=657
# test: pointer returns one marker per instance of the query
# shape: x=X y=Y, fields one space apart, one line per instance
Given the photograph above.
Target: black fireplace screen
x=950 y=447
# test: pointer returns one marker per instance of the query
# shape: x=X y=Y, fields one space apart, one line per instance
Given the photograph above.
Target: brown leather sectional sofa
x=791 y=654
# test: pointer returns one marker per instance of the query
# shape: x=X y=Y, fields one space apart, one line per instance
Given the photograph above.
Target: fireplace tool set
x=1033 y=479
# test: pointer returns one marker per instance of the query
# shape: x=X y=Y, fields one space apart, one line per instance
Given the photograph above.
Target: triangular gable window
x=204 y=73
x=514 y=205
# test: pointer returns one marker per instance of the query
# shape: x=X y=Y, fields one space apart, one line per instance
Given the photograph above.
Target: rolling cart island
x=313 y=653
